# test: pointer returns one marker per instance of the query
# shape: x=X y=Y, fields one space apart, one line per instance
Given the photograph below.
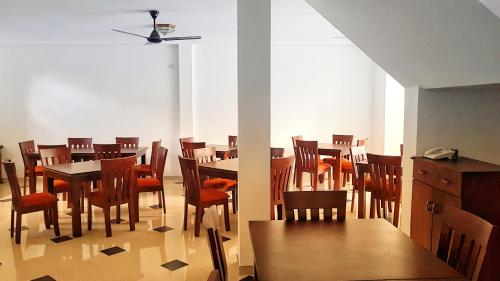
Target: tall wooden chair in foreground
x=43 y=201
x=183 y=140
x=308 y=161
x=155 y=182
x=281 y=169
x=200 y=197
x=118 y=179
x=314 y=201
x=385 y=175
x=211 y=223
x=56 y=156
x=128 y=141
x=29 y=147
x=463 y=241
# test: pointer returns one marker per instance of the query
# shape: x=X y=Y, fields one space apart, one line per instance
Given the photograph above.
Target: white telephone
x=439 y=153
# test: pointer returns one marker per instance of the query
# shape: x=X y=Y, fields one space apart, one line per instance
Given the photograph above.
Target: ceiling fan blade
x=125 y=32
x=182 y=38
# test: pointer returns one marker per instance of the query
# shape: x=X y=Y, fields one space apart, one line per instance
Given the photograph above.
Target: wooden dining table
x=226 y=169
x=337 y=151
x=350 y=250
x=78 y=154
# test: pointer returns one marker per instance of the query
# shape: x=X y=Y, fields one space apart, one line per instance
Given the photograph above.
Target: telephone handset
x=439 y=153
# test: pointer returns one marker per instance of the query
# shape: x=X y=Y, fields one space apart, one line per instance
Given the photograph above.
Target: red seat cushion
x=344 y=163
x=329 y=160
x=39 y=170
x=61 y=186
x=218 y=183
x=211 y=195
x=148 y=184
x=322 y=166
x=42 y=200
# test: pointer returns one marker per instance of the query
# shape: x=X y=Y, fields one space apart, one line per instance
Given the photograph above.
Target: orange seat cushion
x=148 y=184
x=210 y=195
x=39 y=170
x=61 y=186
x=144 y=169
x=344 y=163
x=322 y=166
x=42 y=200
x=329 y=160
x=218 y=183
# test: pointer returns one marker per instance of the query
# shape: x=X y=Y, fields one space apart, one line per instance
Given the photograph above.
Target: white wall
x=51 y=92
x=394 y=111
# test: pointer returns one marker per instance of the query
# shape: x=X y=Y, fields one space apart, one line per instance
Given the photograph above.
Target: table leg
x=337 y=169
x=361 y=197
x=76 y=216
x=143 y=159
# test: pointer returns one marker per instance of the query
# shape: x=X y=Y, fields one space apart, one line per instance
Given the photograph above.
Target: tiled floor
x=157 y=250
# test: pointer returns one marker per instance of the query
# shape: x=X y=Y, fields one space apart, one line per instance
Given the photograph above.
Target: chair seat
x=219 y=184
x=344 y=163
x=148 y=184
x=61 y=186
x=42 y=200
x=323 y=167
x=211 y=195
x=39 y=170
x=144 y=169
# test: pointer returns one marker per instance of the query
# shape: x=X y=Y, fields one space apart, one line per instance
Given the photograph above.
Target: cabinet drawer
x=439 y=177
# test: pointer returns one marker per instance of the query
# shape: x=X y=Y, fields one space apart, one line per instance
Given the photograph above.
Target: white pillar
x=410 y=149
x=186 y=90
x=254 y=118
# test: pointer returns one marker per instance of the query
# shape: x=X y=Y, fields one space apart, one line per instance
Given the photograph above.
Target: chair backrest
x=128 y=141
x=281 y=168
x=232 y=140
x=55 y=156
x=385 y=173
x=342 y=139
x=187 y=151
x=191 y=178
x=107 y=151
x=463 y=241
x=183 y=140
x=362 y=142
x=80 y=142
x=277 y=152
x=47 y=146
x=159 y=168
x=10 y=170
x=205 y=155
x=315 y=200
x=118 y=176
x=26 y=147
x=358 y=155
x=295 y=138
x=154 y=153
x=217 y=251
x=306 y=155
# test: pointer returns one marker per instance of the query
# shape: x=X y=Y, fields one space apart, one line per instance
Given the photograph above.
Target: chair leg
x=118 y=214
x=107 y=220
x=344 y=179
x=24 y=184
x=11 y=223
x=89 y=215
x=299 y=180
x=46 y=218
x=352 y=199
x=233 y=197
x=314 y=181
x=197 y=221
x=279 y=208
x=162 y=195
x=18 y=227
x=330 y=179
x=226 y=216
x=55 y=220
x=160 y=201
x=185 y=213
x=272 y=212
x=131 y=216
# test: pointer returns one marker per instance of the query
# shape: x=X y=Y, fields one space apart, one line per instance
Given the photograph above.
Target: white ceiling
x=493 y=5
x=91 y=21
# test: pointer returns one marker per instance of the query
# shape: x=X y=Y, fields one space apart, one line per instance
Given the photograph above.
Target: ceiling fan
x=164 y=29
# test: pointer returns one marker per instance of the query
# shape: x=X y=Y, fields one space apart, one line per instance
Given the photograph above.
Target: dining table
x=350 y=250
x=337 y=151
x=226 y=169
x=78 y=154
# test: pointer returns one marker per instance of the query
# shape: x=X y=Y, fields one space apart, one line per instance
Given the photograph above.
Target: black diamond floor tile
x=5 y=200
x=113 y=250
x=248 y=278
x=114 y=220
x=224 y=238
x=174 y=265
x=163 y=229
x=22 y=228
x=155 y=207
x=61 y=239
x=44 y=278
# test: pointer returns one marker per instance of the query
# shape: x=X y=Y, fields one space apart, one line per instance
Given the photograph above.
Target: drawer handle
x=429 y=205
x=445 y=181
x=421 y=172
x=436 y=208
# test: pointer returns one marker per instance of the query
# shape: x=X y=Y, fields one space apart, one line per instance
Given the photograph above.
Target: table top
x=334 y=146
x=226 y=165
x=354 y=250
x=76 y=168
x=223 y=147
x=124 y=150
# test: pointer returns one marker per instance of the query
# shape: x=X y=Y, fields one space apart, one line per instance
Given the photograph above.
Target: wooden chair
x=188 y=148
x=211 y=223
x=118 y=179
x=308 y=161
x=362 y=142
x=345 y=164
x=56 y=156
x=200 y=197
x=155 y=182
x=281 y=168
x=144 y=170
x=401 y=149
x=49 y=146
x=463 y=241
x=128 y=141
x=29 y=147
x=277 y=152
x=80 y=142
x=107 y=151
x=214 y=276
x=315 y=200
x=294 y=144
x=385 y=174
x=358 y=155
x=44 y=201
x=183 y=140
x=206 y=155
x=232 y=140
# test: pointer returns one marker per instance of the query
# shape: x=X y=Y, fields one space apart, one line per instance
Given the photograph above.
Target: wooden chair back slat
x=281 y=169
x=183 y=140
x=118 y=177
x=296 y=138
x=187 y=151
x=385 y=173
x=358 y=155
x=362 y=142
x=191 y=178
x=80 y=142
x=315 y=200
x=342 y=139
x=277 y=152
x=127 y=141
x=107 y=151
x=232 y=140
x=48 y=146
x=154 y=154
x=217 y=251
x=159 y=167
x=26 y=147
x=55 y=156
x=307 y=156
x=10 y=170
x=205 y=155
x=463 y=241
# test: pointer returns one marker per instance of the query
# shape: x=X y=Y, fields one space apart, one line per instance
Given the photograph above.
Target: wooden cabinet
x=437 y=184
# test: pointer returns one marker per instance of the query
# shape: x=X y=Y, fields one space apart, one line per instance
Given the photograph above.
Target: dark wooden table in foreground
x=353 y=250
